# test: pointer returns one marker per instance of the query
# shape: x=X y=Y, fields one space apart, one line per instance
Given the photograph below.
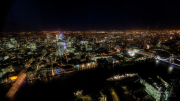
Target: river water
x=90 y=80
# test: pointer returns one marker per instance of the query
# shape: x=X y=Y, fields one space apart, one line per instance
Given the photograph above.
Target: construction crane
x=59 y=30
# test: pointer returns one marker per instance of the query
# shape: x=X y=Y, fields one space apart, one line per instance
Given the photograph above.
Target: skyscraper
x=59 y=36
x=61 y=44
x=61 y=47
x=48 y=39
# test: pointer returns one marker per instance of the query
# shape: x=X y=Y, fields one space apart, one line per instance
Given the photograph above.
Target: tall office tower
x=61 y=47
x=74 y=40
x=69 y=44
x=68 y=38
x=96 y=40
x=59 y=36
x=48 y=39
x=48 y=36
x=61 y=44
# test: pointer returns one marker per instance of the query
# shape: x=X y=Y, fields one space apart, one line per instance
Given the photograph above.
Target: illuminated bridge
x=21 y=78
x=14 y=89
x=168 y=60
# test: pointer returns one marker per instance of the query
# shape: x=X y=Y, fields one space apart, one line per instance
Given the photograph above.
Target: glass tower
x=61 y=44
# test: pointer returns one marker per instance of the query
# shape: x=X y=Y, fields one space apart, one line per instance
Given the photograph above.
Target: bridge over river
x=13 y=90
x=17 y=85
x=152 y=55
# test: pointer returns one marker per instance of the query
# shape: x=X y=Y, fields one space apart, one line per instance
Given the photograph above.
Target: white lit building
x=70 y=50
x=59 y=36
x=61 y=44
x=153 y=90
x=69 y=44
x=32 y=46
x=89 y=47
x=84 y=42
x=61 y=47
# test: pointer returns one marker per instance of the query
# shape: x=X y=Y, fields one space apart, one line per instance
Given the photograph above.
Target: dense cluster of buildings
x=55 y=52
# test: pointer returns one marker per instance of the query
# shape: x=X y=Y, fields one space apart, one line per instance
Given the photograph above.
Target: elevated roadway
x=12 y=91
x=15 y=87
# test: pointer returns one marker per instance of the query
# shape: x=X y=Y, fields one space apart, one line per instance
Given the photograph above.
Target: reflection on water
x=86 y=66
x=92 y=77
x=157 y=61
x=170 y=69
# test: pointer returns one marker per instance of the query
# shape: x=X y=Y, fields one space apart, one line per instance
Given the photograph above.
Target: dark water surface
x=90 y=80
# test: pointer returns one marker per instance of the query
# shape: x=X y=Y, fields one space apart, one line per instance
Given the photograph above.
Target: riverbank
x=90 y=80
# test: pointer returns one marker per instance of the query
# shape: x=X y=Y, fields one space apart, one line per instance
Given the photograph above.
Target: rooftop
x=155 y=83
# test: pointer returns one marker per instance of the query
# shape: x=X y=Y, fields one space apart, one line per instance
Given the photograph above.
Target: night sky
x=38 y=15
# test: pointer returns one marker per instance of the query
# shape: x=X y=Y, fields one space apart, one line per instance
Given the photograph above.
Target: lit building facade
x=61 y=47
x=154 y=92
x=61 y=44
x=59 y=36
x=32 y=46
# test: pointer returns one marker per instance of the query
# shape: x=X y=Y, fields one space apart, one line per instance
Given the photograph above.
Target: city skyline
x=45 y=55
x=70 y=50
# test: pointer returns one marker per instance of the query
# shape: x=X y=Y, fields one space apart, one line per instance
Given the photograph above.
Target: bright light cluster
x=151 y=90
x=13 y=78
x=78 y=92
x=131 y=53
x=165 y=60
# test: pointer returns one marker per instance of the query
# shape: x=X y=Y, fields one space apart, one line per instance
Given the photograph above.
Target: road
x=21 y=77
x=10 y=94
x=114 y=95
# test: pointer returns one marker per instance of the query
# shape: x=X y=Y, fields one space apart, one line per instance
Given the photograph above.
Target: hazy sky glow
x=90 y=15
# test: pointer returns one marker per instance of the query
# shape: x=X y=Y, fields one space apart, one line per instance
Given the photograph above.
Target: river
x=90 y=80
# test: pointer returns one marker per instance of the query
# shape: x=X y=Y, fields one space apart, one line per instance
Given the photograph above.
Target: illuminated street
x=13 y=90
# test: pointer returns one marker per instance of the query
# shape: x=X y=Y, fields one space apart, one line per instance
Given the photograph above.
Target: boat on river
x=120 y=77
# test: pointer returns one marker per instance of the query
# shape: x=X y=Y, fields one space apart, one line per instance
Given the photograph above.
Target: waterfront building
x=154 y=89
